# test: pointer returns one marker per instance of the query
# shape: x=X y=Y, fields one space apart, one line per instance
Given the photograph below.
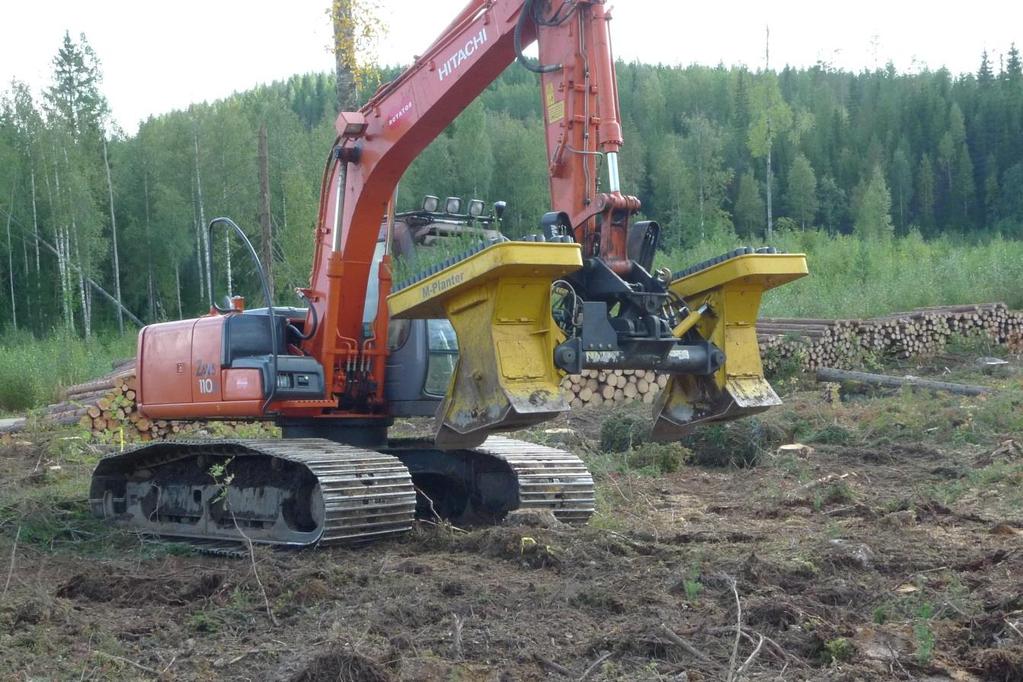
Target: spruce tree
x=1013 y=66
x=833 y=203
x=985 y=76
x=925 y=193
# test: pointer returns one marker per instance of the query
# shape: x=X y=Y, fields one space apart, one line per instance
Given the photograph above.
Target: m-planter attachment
x=724 y=293
x=500 y=298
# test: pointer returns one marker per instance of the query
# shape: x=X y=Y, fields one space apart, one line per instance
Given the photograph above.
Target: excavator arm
x=622 y=313
x=376 y=145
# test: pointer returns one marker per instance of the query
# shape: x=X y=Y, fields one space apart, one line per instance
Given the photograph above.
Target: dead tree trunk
x=92 y=283
x=770 y=143
x=344 y=54
x=203 y=233
x=113 y=237
x=35 y=221
x=59 y=249
x=150 y=286
x=83 y=294
x=10 y=260
x=198 y=247
x=177 y=288
x=227 y=234
x=264 y=211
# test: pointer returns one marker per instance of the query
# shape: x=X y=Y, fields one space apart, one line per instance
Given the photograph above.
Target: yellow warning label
x=556 y=112
x=555 y=108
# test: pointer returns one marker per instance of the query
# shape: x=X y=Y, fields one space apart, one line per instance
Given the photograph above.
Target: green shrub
x=739 y=443
x=839 y=649
x=663 y=458
x=832 y=434
x=620 y=433
x=33 y=371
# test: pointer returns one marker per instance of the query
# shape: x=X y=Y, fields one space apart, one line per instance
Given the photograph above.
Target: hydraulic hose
x=270 y=316
x=527 y=12
x=316 y=321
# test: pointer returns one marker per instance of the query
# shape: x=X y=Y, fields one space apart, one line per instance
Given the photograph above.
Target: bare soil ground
x=894 y=550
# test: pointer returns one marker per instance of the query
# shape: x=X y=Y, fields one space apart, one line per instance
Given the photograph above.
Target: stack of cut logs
x=107 y=407
x=596 y=387
x=808 y=344
x=844 y=343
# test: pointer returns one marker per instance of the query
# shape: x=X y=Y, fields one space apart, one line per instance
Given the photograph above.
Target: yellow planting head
x=724 y=299
x=499 y=302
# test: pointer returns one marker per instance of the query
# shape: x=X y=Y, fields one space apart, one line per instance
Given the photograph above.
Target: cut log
x=838 y=375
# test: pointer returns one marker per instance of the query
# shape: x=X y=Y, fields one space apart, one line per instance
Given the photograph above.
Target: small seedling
x=838 y=650
x=924 y=634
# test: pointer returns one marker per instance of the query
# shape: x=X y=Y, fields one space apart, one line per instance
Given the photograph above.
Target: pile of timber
x=107 y=408
x=595 y=387
x=810 y=344
x=844 y=343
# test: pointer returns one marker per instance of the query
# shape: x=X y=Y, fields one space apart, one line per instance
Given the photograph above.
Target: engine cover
x=219 y=366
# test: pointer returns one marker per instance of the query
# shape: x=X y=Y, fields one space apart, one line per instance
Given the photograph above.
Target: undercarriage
x=303 y=492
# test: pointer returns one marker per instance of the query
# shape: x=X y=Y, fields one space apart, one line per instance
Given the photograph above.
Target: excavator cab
x=424 y=352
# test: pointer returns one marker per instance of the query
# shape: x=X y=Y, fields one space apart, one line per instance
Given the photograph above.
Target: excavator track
x=549 y=479
x=283 y=492
x=303 y=492
x=482 y=485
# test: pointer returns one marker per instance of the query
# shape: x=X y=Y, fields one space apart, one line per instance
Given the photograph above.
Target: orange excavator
x=480 y=339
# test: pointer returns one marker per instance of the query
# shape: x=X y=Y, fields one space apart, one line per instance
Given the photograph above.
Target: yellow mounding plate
x=544 y=261
x=767 y=270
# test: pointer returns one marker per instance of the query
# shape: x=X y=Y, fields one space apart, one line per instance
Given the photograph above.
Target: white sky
x=159 y=56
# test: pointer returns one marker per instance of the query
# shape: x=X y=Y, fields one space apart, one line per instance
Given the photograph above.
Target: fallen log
x=102 y=384
x=13 y=425
x=839 y=375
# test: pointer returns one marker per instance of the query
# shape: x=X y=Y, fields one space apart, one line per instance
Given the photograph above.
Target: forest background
x=904 y=189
